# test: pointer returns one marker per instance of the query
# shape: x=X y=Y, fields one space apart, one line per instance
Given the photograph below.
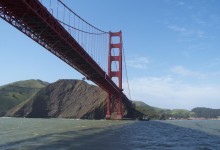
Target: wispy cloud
x=181 y=30
x=138 y=62
x=180 y=70
x=178 y=29
x=200 y=34
x=166 y=92
x=187 y=34
x=181 y=3
x=200 y=22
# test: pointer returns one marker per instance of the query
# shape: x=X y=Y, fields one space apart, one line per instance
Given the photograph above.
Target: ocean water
x=50 y=134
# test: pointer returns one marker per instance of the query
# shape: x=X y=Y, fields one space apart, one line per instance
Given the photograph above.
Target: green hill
x=140 y=104
x=146 y=109
x=202 y=112
x=158 y=113
x=15 y=93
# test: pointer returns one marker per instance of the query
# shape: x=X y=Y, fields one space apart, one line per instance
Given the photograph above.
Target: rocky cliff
x=67 y=99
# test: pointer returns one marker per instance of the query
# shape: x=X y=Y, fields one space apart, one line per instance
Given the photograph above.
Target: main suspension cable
x=81 y=18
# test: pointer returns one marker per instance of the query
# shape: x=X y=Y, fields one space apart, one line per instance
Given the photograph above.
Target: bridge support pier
x=112 y=72
x=119 y=110
x=108 y=112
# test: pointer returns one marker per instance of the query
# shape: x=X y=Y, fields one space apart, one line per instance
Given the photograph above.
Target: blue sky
x=172 y=49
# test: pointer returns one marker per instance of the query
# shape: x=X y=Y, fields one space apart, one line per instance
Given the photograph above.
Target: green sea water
x=49 y=134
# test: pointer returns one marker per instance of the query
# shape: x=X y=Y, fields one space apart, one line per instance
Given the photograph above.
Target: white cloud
x=181 y=3
x=138 y=62
x=165 y=92
x=200 y=22
x=180 y=70
x=187 y=34
x=200 y=34
x=182 y=30
x=178 y=29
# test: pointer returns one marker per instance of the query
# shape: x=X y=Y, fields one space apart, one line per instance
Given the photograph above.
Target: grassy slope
x=17 y=92
x=156 y=113
x=146 y=109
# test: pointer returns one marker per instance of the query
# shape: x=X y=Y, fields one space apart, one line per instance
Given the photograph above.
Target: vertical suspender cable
x=64 y=16
x=57 y=9
x=74 y=33
x=126 y=73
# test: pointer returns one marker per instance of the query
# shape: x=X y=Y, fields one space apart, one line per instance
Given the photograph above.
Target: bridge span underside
x=35 y=21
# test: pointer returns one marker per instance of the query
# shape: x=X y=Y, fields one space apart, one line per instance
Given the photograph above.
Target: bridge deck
x=33 y=19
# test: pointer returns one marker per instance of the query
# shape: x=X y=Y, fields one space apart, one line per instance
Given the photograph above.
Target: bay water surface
x=49 y=134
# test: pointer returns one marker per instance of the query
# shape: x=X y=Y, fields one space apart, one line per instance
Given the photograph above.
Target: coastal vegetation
x=206 y=112
x=15 y=93
x=158 y=113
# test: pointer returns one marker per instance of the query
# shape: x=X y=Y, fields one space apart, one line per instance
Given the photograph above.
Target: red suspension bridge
x=94 y=53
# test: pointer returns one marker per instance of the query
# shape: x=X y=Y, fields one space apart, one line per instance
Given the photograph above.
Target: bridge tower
x=115 y=73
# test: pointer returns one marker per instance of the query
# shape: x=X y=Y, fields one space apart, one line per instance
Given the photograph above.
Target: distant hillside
x=181 y=113
x=140 y=104
x=66 y=99
x=206 y=112
x=17 y=92
x=158 y=113
x=146 y=109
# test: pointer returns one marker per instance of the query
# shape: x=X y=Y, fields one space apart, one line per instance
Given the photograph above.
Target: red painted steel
x=34 y=20
x=117 y=74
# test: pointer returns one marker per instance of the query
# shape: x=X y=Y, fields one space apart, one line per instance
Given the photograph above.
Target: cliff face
x=65 y=99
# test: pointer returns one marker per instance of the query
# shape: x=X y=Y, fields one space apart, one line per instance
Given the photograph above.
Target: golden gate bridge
x=94 y=53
